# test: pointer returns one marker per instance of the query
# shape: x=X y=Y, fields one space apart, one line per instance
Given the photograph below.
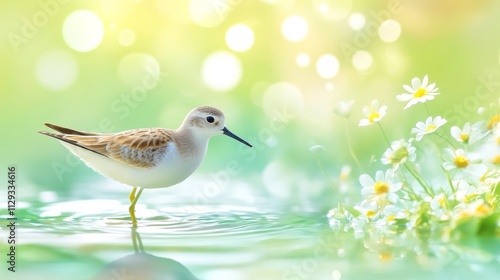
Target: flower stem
x=327 y=177
x=419 y=179
x=427 y=109
x=351 y=150
x=448 y=141
x=448 y=177
x=406 y=185
x=383 y=133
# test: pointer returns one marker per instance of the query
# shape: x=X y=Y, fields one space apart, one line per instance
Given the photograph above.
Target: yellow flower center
x=430 y=128
x=370 y=213
x=385 y=256
x=441 y=201
x=483 y=209
x=461 y=162
x=399 y=155
x=419 y=93
x=381 y=188
x=373 y=116
x=493 y=121
x=391 y=218
x=468 y=198
x=496 y=160
x=498 y=141
x=464 y=137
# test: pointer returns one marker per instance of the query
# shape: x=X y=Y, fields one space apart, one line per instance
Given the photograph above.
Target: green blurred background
x=275 y=67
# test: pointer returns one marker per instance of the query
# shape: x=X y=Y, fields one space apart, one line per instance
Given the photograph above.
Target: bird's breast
x=175 y=167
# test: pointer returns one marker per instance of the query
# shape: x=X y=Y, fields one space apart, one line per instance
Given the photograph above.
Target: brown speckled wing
x=139 y=147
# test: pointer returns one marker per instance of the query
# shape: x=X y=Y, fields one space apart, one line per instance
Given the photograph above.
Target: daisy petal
x=409 y=89
x=455 y=132
x=404 y=97
x=415 y=83
x=364 y=122
x=365 y=180
x=430 y=87
x=425 y=82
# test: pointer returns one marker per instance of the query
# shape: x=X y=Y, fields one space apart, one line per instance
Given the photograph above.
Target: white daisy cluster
x=449 y=183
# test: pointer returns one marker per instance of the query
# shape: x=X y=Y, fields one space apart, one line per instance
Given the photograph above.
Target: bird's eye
x=210 y=119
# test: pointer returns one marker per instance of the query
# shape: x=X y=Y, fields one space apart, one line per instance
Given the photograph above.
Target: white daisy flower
x=438 y=205
x=398 y=153
x=478 y=208
x=401 y=210
x=358 y=226
x=461 y=135
x=418 y=92
x=368 y=210
x=462 y=164
x=343 y=108
x=464 y=191
x=373 y=112
x=469 y=134
x=428 y=127
x=384 y=186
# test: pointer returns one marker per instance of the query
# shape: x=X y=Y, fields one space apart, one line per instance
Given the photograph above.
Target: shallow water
x=87 y=238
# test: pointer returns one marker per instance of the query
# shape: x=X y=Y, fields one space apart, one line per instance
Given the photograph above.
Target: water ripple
x=108 y=216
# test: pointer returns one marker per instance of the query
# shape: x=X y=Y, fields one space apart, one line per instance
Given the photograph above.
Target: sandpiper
x=147 y=158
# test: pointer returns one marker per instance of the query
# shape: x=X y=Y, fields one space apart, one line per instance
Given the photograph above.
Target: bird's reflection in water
x=143 y=266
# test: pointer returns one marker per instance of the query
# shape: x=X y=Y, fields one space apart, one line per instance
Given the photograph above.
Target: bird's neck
x=190 y=143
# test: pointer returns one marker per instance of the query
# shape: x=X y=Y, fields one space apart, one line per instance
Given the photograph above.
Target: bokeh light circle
x=83 y=30
x=357 y=21
x=126 y=37
x=294 y=28
x=303 y=59
x=239 y=37
x=362 y=60
x=282 y=98
x=221 y=71
x=56 y=70
x=336 y=275
x=389 y=31
x=327 y=66
x=139 y=70
x=277 y=180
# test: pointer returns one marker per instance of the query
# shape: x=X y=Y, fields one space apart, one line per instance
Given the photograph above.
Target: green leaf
x=351 y=210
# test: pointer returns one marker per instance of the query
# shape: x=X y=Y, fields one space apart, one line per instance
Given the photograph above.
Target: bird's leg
x=131 y=209
x=131 y=196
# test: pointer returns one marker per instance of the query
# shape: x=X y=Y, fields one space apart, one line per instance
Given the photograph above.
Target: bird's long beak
x=226 y=131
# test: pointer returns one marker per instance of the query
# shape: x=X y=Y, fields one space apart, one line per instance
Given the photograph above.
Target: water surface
x=90 y=238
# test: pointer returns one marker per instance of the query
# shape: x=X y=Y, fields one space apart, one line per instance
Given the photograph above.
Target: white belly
x=171 y=170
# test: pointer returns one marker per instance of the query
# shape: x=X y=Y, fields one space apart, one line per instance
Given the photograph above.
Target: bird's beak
x=226 y=131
